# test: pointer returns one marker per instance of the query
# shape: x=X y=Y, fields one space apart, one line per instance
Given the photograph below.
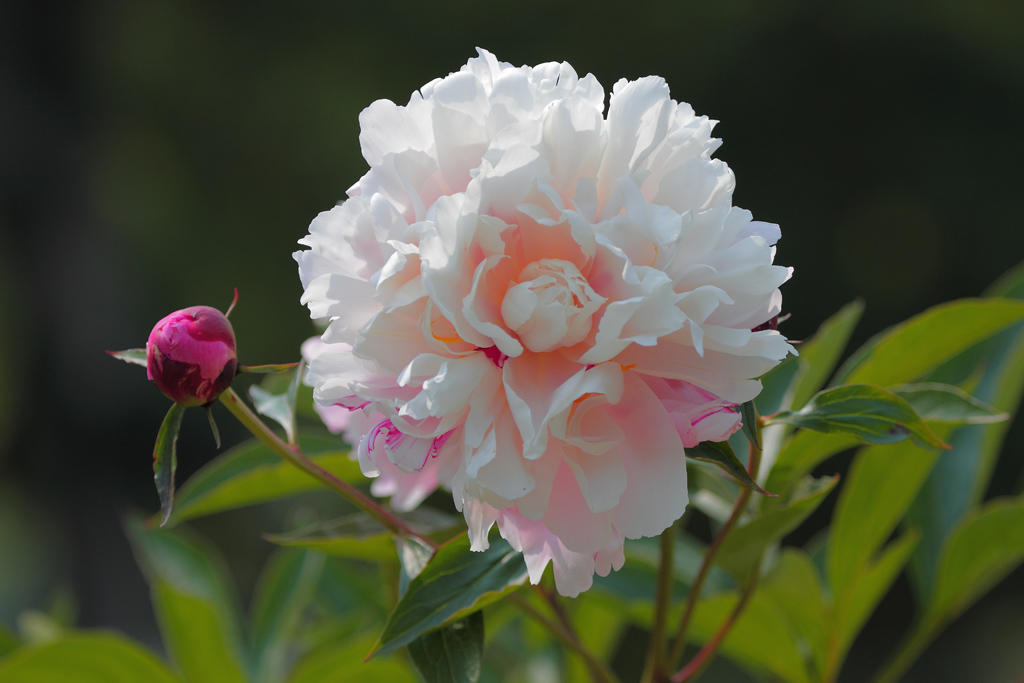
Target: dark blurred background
x=155 y=155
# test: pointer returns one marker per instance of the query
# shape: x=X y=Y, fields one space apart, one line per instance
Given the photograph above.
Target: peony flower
x=539 y=306
x=190 y=355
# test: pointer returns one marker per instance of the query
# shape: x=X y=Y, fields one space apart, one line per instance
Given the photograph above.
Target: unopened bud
x=190 y=355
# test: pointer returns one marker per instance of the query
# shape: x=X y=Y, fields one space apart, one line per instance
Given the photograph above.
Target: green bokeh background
x=155 y=155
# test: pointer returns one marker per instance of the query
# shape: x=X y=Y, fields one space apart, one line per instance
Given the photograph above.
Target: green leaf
x=345 y=664
x=287 y=585
x=741 y=551
x=720 y=453
x=859 y=597
x=866 y=412
x=882 y=482
x=453 y=653
x=760 y=639
x=133 y=356
x=165 y=459
x=279 y=407
x=268 y=369
x=196 y=610
x=453 y=582
x=749 y=413
x=909 y=350
x=413 y=556
x=85 y=656
x=250 y=473
x=944 y=403
x=818 y=357
x=961 y=476
x=361 y=537
x=980 y=552
x=802 y=453
x=794 y=587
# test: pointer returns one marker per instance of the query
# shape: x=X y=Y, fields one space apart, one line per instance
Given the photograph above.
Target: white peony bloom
x=539 y=306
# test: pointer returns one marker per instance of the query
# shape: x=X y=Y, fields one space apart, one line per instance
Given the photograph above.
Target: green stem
x=655 y=670
x=297 y=458
x=709 y=558
x=599 y=671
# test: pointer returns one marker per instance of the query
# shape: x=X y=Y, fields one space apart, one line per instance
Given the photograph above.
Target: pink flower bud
x=190 y=355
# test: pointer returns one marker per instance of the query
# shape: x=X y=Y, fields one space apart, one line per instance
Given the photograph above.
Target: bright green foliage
x=761 y=638
x=286 y=587
x=936 y=402
x=803 y=452
x=197 y=613
x=741 y=553
x=819 y=356
x=878 y=490
x=8 y=641
x=343 y=663
x=250 y=473
x=794 y=586
x=453 y=582
x=165 y=459
x=863 y=411
x=909 y=350
x=85 y=657
x=453 y=653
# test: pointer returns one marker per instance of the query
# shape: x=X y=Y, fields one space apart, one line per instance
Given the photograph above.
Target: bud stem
x=296 y=457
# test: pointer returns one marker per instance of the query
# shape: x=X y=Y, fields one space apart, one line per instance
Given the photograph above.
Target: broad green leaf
x=866 y=412
x=720 y=453
x=165 y=459
x=453 y=653
x=361 y=537
x=794 y=586
x=741 y=551
x=760 y=639
x=344 y=664
x=287 y=585
x=980 y=552
x=413 y=556
x=882 y=482
x=962 y=475
x=250 y=473
x=936 y=402
x=802 y=453
x=859 y=597
x=819 y=356
x=599 y=627
x=907 y=351
x=197 y=613
x=86 y=657
x=133 y=356
x=455 y=581
x=279 y=407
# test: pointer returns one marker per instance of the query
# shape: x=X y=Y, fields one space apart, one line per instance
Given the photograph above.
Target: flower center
x=550 y=305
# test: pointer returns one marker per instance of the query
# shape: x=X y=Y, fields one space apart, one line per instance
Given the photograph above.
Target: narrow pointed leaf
x=250 y=473
x=344 y=664
x=742 y=549
x=195 y=605
x=85 y=656
x=866 y=412
x=720 y=453
x=165 y=459
x=285 y=589
x=452 y=653
x=945 y=403
x=267 y=369
x=907 y=351
x=279 y=407
x=819 y=356
x=213 y=426
x=133 y=356
x=454 y=582
x=749 y=416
